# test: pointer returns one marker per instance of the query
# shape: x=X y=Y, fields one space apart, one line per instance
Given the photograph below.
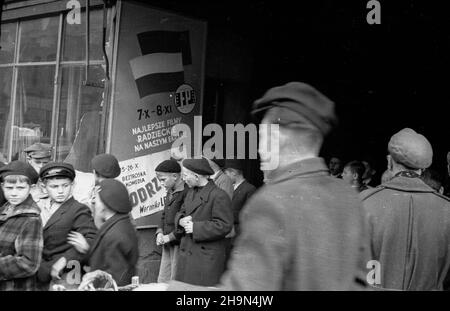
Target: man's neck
x=286 y=160
x=202 y=182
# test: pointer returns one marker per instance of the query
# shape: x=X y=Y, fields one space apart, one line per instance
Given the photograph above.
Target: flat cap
x=106 y=165
x=39 y=150
x=411 y=149
x=298 y=105
x=198 y=166
x=115 y=195
x=168 y=166
x=57 y=169
x=234 y=163
x=19 y=168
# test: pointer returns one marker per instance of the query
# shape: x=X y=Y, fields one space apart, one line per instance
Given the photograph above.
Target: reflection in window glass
x=33 y=107
x=5 y=117
x=74 y=39
x=38 y=40
x=79 y=117
x=7 y=43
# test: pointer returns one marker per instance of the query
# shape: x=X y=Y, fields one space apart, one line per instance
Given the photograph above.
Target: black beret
x=168 y=166
x=57 y=169
x=19 y=168
x=39 y=150
x=198 y=166
x=299 y=105
x=235 y=163
x=115 y=196
x=106 y=165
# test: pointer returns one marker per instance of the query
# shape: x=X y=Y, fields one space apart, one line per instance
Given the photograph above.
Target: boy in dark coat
x=115 y=248
x=169 y=175
x=61 y=216
x=206 y=218
x=21 y=239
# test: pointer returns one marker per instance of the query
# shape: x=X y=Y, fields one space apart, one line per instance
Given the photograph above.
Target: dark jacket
x=115 y=249
x=240 y=196
x=409 y=226
x=21 y=246
x=202 y=255
x=70 y=216
x=171 y=208
x=301 y=231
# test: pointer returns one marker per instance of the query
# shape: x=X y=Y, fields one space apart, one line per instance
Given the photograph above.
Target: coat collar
x=303 y=168
x=410 y=184
x=105 y=228
x=59 y=212
x=27 y=207
x=201 y=197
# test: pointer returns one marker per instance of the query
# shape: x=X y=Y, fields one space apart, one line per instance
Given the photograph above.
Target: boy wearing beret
x=61 y=216
x=21 y=240
x=115 y=248
x=169 y=174
x=205 y=219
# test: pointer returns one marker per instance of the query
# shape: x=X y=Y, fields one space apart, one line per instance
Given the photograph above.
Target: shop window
x=79 y=116
x=5 y=104
x=38 y=40
x=74 y=39
x=7 y=43
x=66 y=114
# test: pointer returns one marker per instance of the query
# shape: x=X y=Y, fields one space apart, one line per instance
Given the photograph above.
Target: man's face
x=59 y=189
x=98 y=209
x=347 y=175
x=16 y=192
x=168 y=180
x=232 y=174
x=37 y=164
x=190 y=178
x=335 y=166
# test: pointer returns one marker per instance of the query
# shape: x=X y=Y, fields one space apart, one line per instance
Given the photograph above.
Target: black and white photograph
x=224 y=147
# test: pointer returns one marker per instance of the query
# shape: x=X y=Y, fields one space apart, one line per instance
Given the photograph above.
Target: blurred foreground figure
x=303 y=230
x=409 y=222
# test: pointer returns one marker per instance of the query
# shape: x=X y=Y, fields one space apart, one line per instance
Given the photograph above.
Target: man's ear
x=390 y=164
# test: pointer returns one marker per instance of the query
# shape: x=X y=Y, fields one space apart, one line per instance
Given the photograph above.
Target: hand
x=159 y=239
x=78 y=241
x=165 y=239
x=57 y=267
x=184 y=220
x=152 y=287
x=189 y=228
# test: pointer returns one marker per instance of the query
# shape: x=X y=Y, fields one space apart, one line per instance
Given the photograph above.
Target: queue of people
x=309 y=227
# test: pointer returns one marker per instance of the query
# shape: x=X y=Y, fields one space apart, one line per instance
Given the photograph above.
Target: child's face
x=59 y=189
x=16 y=192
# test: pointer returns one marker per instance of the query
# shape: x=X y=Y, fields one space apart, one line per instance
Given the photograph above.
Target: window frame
x=58 y=63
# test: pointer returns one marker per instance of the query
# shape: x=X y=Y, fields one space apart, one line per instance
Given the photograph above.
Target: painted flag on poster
x=160 y=69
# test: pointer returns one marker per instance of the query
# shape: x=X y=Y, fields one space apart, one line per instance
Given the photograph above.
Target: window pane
x=5 y=104
x=33 y=107
x=38 y=40
x=7 y=43
x=74 y=39
x=79 y=117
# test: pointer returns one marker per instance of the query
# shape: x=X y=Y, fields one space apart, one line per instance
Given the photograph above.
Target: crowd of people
x=309 y=227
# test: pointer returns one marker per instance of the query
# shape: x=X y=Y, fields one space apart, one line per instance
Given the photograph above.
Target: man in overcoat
x=409 y=222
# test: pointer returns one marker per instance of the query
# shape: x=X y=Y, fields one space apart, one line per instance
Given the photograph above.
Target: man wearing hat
x=115 y=248
x=409 y=221
x=303 y=230
x=204 y=220
x=169 y=175
x=221 y=180
x=37 y=155
x=61 y=217
x=21 y=239
x=242 y=189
